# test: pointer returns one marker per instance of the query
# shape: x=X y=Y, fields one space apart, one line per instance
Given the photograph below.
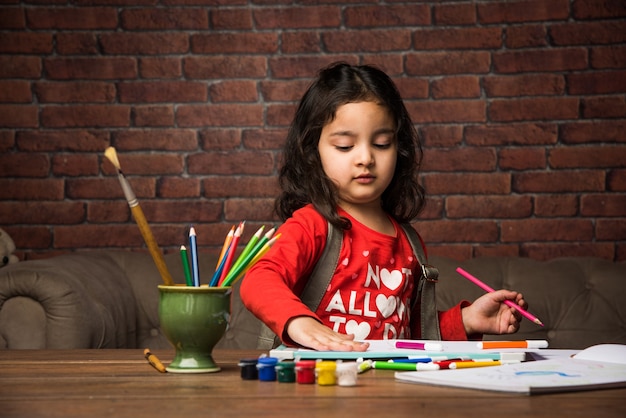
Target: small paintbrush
x=140 y=219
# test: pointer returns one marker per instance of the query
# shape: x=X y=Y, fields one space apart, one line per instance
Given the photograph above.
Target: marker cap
x=537 y=344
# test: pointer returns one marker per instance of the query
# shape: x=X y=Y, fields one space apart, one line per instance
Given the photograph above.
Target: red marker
x=445 y=364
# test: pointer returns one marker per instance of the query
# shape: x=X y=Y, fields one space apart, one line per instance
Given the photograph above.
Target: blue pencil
x=216 y=276
x=193 y=246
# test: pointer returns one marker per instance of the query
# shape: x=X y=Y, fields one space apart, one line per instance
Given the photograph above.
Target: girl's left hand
x=489 y=315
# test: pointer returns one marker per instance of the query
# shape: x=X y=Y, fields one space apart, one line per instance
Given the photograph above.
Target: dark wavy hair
x=302 y=179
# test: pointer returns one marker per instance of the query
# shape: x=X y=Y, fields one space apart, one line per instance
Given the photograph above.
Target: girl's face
x=358 y=150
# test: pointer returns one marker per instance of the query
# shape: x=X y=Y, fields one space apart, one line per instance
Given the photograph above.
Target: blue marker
x=193 y=246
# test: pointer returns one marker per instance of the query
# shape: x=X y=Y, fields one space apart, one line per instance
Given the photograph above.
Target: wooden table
x=120 y=383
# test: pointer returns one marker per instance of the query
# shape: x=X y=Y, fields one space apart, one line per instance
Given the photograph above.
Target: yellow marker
x=154 y=361
x=469 y=364
x=364 y=366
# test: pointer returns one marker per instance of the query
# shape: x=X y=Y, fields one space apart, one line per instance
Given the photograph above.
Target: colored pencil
x=218 y=272
x=227 y=241
x=185 y=261
x=246 y=256
x=507 y=302
x=193 y=246
x=264 y=249
x=247 y=249
x=264 y=240
x=230 y=256
x=154 y=361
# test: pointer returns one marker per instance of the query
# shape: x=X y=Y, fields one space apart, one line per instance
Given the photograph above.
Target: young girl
x=351 y=158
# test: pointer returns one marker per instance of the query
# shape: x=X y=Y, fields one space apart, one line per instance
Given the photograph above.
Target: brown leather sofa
x=110 y=300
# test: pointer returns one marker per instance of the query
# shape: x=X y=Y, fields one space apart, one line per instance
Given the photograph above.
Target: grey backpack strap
x=324 y=269
x=267 y=339
x=425 y=295
x=316 y=286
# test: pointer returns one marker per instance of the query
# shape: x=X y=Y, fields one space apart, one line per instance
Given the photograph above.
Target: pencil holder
x=193 y=319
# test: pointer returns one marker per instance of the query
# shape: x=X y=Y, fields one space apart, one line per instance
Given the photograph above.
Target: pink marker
x=414 y=345
x=506 y=302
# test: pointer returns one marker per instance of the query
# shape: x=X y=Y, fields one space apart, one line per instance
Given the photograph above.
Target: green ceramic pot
x=194 y=319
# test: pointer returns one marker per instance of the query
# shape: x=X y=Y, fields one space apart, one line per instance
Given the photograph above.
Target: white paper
x=559 y=374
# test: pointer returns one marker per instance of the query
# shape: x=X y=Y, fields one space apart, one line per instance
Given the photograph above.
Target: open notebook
x=597 y=367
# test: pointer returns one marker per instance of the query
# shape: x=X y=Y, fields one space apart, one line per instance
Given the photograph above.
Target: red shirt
x=369 y=294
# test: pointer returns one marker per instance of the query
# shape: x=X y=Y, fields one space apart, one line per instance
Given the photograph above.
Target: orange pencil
x=227 y=241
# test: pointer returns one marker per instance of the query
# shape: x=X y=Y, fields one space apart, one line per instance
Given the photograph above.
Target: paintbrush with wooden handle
x=140 y=219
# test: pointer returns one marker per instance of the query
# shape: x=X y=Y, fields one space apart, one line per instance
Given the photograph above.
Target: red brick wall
x=521 y=106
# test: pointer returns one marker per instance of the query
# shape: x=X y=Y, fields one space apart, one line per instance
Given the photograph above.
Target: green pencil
x=185 y=260
x=252 y=259
x=248 y=248
x=234 y=272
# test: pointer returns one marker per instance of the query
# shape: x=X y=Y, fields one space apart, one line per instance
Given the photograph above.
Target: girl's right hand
x=309 y=333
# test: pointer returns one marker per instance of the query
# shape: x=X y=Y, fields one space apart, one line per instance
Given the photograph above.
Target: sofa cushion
x=86 y=301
